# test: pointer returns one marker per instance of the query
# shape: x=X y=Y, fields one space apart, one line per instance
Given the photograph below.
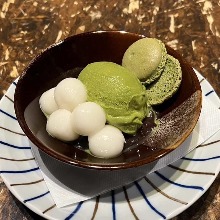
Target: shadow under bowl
x=177 y=116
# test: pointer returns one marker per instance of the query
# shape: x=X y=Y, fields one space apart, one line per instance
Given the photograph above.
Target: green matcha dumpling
x=146 y=58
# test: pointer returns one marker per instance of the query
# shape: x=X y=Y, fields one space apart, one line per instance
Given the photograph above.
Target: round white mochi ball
x=59 y=126
x=47 y=102
x=107 y=143
x=69 y=93
x=88 y=118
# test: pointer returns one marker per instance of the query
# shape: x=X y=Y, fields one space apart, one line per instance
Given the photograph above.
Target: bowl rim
x=91 y=165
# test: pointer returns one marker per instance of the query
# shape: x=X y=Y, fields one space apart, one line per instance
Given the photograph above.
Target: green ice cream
x=119 y=92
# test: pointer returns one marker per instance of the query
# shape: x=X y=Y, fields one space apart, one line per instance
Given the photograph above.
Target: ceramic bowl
x=177 y=116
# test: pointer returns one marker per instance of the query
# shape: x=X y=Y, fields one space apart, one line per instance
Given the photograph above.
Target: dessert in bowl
x=176 y=116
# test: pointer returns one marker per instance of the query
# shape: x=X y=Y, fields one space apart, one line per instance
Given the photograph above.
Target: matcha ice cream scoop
x=119 y=92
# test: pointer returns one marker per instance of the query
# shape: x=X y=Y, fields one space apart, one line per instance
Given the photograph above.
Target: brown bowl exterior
x=178 y=116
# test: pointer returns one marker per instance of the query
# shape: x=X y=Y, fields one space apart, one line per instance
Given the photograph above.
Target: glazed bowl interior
x=177 y=116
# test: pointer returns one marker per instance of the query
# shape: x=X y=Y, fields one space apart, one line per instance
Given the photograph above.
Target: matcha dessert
x=121 y=95
x=119 y=92
x=146 y=58
x=168 y=83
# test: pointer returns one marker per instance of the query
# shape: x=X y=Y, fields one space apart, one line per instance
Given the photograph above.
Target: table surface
x=190 y=26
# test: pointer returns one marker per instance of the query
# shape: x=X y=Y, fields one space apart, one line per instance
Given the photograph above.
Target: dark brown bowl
x=178 y=116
